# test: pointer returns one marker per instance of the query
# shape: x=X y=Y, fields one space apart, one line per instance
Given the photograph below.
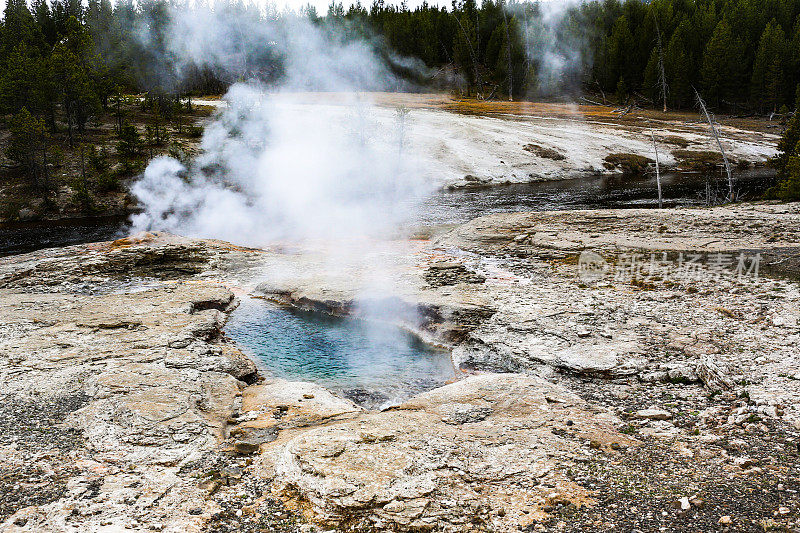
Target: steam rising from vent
x=235 y=42
x=273 y=166
x=553 y=44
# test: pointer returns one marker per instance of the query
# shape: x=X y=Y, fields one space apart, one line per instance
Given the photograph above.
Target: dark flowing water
x=619 y=192
x=23 y=237
x=372 y=363
x=452 y=207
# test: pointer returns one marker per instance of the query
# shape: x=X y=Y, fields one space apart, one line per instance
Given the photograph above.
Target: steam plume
x=557 y=50
x=271 y=165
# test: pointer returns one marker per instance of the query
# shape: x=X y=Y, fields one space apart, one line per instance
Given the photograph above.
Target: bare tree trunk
x=68 y=109
x=471 y=55
x=662 y=77
x=715 y=133
x=527 y=48
x=119 y=114
x=45 y=171
x=602 y=92
x=508 y=53
x=658 y=171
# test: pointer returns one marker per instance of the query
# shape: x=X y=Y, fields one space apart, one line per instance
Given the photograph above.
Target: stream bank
x=450 y=206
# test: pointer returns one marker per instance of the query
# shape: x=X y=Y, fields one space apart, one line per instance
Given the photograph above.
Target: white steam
x=558 y=53
x=273 y=166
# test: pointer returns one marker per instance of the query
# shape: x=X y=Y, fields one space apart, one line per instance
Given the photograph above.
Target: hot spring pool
x=374 y=364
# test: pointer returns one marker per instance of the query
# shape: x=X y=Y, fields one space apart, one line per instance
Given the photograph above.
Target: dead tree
x=527 y=45
x=715 y=134
x=658 y=171
x=474 y=59
x=508 y=53
x=662 y=77
x=602 y=92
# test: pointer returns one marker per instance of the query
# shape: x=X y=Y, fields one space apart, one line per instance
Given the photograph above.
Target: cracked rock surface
x=635 y=404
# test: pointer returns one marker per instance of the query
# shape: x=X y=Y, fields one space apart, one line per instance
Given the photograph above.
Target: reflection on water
x=371 y=363
x=679 y=189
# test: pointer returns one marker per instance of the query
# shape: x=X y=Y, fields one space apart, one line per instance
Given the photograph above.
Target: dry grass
x=628 y=163
x=698 y=159
x=675 y=140
x=546 y=153
x=472 y=106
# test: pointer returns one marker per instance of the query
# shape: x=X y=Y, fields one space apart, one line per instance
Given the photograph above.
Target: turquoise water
x=374 y=364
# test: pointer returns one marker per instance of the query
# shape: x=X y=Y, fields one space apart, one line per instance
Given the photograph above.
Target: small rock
x=683 y=504
x=697 y=502
x=231 y=472
x=246 y=448
x=394 y=506
x=26 y=214
x=783 y=511
x=724 y=520
x=308 y=396
x=465 y=414
x=195 y=511
x=745 y=462
x=653 y=414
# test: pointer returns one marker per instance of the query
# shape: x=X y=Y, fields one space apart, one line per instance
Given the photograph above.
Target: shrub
x=130 y=142
x=81 y=196
x=788 y=163
x=28 y=146
x=628 y=163
x=194 y=131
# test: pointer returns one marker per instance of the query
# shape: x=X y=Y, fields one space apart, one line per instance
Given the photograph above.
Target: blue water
x=374 y=364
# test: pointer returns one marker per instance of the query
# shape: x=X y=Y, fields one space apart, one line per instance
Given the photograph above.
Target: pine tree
x=797 y=98
x=129 y=148
x=73 y=63
x=677 y=66
x=788 y=163
x=465 y=49
x=794 y=56
x=723 y=69
x=27 y=146
x=620 y=45
x=18 y=80
x=767 y=83
x=19 y=27
x=651 y=85
x=622 y=91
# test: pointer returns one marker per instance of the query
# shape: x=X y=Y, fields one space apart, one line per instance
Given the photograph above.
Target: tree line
x=63 y=61
x=741 y=54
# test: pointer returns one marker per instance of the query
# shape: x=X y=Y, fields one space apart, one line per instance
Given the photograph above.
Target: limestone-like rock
x=134 y=408
x=448 y=458
x=121 y=389
x=653 y=414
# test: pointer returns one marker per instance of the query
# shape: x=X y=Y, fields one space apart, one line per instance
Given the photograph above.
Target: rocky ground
x=623 y=390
